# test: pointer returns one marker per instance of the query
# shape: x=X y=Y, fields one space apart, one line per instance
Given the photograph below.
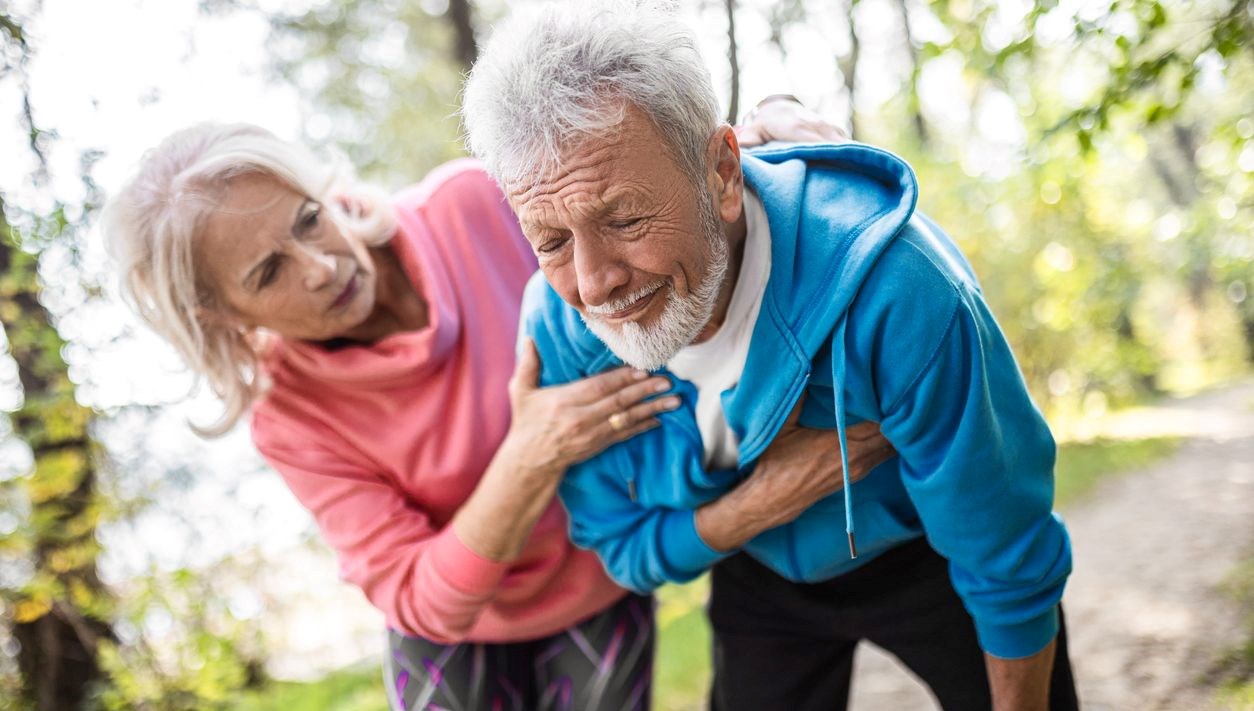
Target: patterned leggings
x=602 y=664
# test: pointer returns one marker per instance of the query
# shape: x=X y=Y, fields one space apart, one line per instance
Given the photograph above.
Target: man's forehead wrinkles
x=556 y=190
x=593 y=161
x=537 y=215
x=582 y=196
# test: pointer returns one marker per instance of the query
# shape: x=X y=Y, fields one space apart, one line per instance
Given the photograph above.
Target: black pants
x=789 y=646
x=601 y=664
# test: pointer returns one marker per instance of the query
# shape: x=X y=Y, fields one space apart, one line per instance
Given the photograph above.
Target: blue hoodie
x=874 y=314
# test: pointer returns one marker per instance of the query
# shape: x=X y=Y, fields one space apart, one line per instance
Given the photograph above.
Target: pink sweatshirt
x=384 y=443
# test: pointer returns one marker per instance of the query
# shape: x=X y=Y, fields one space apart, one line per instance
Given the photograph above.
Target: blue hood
x=869 y=202
x=873 y=198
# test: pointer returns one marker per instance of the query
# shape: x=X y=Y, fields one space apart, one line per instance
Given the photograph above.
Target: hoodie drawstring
x=838 y=392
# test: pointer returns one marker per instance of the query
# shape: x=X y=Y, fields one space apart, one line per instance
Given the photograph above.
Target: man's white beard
x=683 y=317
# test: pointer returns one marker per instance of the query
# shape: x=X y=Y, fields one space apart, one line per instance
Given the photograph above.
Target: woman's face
x=273 y=259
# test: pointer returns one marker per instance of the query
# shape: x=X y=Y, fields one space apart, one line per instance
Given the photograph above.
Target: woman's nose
x=319 y=269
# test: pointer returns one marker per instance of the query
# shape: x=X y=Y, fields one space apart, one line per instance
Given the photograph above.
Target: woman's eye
x=268 y=273
x=310 y=220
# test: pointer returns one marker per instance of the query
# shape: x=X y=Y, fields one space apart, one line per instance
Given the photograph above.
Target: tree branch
x=733 y=59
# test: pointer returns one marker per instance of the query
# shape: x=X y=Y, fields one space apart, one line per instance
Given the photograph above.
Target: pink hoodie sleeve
x=423 y=578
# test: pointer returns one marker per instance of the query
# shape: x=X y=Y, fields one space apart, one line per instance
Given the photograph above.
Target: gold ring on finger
x=618 y=421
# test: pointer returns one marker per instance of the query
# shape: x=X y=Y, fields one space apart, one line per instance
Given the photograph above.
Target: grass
x=682 y=664
x=1082 y=464
x=1235 y=672
x=355 y=689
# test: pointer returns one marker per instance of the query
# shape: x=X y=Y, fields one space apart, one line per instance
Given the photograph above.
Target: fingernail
x=639 y=374
x=662 y=386
x=670 y=402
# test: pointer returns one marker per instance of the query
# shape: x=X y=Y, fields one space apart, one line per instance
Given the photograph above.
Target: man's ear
x=727 y=182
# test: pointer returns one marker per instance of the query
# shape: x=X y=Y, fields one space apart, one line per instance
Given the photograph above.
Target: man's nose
x=317 y=266
x=598 y=271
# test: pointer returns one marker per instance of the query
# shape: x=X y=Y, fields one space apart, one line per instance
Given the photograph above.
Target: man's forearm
x=800 y=467
x=1021 y=684
x=732 y=520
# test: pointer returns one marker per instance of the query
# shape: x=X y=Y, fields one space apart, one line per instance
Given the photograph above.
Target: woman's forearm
x=497 y=519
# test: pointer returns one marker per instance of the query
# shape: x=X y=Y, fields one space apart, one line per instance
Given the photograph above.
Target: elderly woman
x=373 y=343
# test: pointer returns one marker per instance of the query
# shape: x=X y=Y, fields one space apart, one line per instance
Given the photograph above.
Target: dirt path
x=1145 y=618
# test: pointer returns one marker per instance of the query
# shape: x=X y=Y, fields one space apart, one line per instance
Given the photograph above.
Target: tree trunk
x=733 y=59
x=848 y=65
x=58 y=641
x=1177 y=191
x=1185 y=192
x=460 y=15
x=912 y=53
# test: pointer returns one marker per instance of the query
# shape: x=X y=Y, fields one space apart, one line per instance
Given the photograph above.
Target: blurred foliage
x=1112 y=229
x=181 y=649
x=54 y=610
x=384 y=78
x=59 y=623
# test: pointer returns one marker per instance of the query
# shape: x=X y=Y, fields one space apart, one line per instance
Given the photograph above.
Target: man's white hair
x=153 y=222
x=554 y=75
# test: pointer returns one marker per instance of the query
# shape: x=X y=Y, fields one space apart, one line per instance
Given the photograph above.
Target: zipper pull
x=631 y=489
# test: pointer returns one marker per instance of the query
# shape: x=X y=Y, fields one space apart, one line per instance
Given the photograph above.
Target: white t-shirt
x=715 y=365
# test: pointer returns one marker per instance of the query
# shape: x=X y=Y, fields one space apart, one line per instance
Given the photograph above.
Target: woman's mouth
x=350 y=290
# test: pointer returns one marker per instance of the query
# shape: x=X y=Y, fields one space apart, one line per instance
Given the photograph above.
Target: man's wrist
x=710 y=523
x=734 y=519
x=1021 y=684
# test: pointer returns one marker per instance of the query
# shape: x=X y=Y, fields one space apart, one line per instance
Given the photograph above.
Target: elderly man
x=787 y=292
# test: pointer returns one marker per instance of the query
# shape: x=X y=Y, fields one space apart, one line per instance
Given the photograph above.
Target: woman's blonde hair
x=151 y=225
